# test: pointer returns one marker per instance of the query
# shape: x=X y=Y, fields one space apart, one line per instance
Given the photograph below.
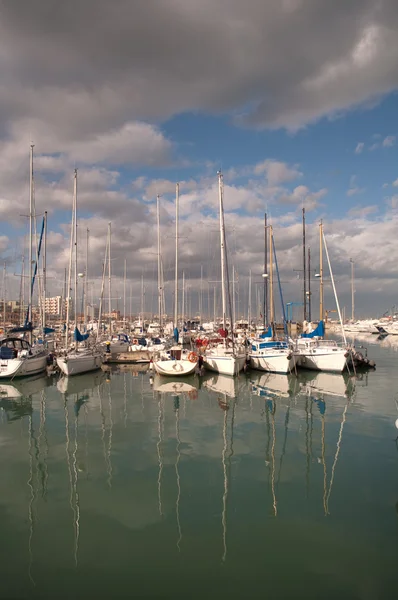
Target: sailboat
x=77 y=359
x=266 y=353
x=312 y=351
x=226 y=357
x=176 y=360
x=19 y=357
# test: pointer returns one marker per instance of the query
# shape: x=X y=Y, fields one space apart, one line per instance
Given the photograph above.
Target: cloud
x=362 y=211
x=281 y=67
x=395 y=183
x=277 y=172
x=303 y=197
x=389 y=141
x=359 y=147
x=354 y=188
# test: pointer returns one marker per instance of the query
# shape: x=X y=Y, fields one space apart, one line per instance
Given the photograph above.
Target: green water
x=260 y=487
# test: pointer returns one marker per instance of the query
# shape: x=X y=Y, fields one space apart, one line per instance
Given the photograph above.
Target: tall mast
x=249 y=311
x=142 y=302
x=233 y=295
x=183 y=300
x=124 y=294
x=30 y=311
x=265 y=285
x=109 y=280
x=304 y=272
x=44 y=271
x=176 y=265
x=309 y=284
x=86 y=279
x=352 y=291
x=67 y=296
x=222 y=247
x=271 y=277
x=159 y=263
x=321 y=271
x=75 y=244
x=22 y=306
x=201 y=295
x=4 y=296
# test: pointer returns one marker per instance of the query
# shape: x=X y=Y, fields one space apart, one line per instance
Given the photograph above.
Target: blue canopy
x=267 y=333
x=175 y=333
x=48 y=330
x=80 y=337
x=319 y=331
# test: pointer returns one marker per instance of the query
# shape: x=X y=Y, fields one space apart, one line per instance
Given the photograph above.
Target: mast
x=304 y=272
x=4 y=296
x=75 y=244
x=321 y=271
x=222 y=246
x=352 y=291
x=233 y=296
x=68 y=298
x=44 y=271
x=265 y=284
x=30 y=312
x=271 y=277
x=249 y=312
x=201 y=294
x=109 y=279
x=309 y=284
x=124 y=294
x=183 y=301
x=22 y=304
x=86 y=279
x=176 y=265
x=159 y=264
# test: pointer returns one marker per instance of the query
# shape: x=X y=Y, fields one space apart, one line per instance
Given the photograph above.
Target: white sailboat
x=266 y=353
x=226 y=357
x=19 y=357
x=77 y=359
x=176 y=360
x=312 y=351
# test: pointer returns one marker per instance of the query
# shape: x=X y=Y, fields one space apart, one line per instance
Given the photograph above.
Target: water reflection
x=193 y=471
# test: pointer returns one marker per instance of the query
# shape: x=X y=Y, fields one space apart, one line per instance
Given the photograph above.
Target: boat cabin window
x=176 y=354
x=15 y=343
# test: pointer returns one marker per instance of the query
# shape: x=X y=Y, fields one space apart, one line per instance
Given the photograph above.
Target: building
x=53 y=306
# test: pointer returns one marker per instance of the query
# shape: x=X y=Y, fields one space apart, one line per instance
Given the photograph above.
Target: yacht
x=272 y=355
x=18 y=358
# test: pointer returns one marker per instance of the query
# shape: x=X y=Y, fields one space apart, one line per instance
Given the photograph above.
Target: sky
x=294 y=100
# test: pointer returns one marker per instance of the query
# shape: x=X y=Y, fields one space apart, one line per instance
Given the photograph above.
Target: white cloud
x=389 y=141
x=303 y=197
x=359 y=147
x=277 y=172
x=395 y=183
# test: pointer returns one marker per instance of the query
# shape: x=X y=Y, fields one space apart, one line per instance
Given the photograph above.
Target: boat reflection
x=80 y=383
x=331 y=384
x=16 y=397
x=183 y=385
x=24 y=388
x=230 y=387
x=274 y=384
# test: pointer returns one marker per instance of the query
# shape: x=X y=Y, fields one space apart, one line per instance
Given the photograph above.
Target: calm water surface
x=113 y=485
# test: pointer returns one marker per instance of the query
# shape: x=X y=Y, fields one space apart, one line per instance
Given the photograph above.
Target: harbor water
x=122 y=484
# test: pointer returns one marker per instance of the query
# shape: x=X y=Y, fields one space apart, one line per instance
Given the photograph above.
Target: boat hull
x=225 y=365
x=276 y=362
x=173 y=368
x=23 y=367
x=318 y=360
x=74 y=364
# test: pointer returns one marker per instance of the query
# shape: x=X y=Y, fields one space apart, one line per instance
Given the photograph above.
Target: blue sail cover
x=79 y=337
x=175 y=333
x=27 y=327
x=267 y=333
x=48 y=330
x=319 y=331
